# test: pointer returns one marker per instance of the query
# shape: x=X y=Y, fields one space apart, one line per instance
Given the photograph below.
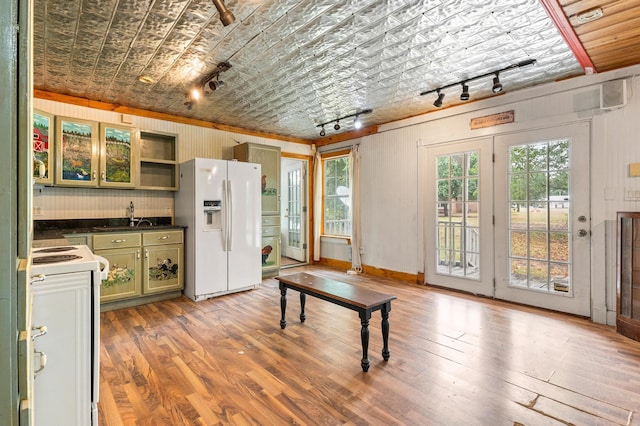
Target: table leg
x=365 y=316
x=283 y=305
x=303 y=299
x=385 y=331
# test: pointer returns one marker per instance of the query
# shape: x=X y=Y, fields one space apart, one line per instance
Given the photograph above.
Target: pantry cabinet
x=269 y=159
x=144 y=266
x=92 y=155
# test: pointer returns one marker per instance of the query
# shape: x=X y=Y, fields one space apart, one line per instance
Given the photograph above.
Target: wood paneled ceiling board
x=612 y=41
x=298 y=63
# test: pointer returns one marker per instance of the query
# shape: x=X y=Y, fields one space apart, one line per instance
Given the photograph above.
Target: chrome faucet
x=142 y=220
x=132 y=220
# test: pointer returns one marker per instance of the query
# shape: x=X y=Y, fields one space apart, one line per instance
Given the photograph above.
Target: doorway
x=294 y=219
x=508 y=217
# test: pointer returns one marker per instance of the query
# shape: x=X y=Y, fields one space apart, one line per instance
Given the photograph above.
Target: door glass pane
x=458 y=204
x=293 y=182
x=539 y=216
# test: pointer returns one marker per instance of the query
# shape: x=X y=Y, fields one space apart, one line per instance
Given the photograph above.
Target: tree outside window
x=337 y=197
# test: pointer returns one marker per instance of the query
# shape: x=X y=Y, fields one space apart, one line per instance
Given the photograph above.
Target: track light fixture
x=464 y=96
x=357 y=123
x=226 y=17
x=438 y=102
x=497 y=86
x=210 y=81
x=216 y=84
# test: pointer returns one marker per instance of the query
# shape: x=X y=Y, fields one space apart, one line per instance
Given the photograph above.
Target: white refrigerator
x=220 y=204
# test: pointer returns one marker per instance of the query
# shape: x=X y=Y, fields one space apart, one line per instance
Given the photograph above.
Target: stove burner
x=54 y=259
x=56 y=249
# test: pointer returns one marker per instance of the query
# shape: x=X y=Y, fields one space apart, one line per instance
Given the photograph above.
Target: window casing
x=336 y=196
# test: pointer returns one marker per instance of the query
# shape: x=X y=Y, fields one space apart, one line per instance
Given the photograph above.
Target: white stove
x=65 y=259
x=66 y=300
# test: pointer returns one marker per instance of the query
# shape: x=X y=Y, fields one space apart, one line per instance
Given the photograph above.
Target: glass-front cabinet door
x=117 y=156
x=76 y=152
x=43 y=126
x=88 y=154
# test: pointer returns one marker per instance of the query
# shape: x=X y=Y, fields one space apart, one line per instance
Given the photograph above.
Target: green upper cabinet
x=43 y=125
x=90 y=155
x=117 y=156
x=158 y=160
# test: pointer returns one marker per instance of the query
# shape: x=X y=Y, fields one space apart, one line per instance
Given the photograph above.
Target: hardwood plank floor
x=455 y=360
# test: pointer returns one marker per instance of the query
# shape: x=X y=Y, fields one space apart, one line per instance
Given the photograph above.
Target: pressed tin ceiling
x=295 y=63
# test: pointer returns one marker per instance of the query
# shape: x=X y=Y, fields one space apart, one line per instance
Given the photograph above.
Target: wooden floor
x=455 y=360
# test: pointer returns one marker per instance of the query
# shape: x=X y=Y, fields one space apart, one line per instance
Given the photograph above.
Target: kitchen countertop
x=56 y=229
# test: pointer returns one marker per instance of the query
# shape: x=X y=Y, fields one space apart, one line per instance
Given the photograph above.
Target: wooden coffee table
x=361 y=300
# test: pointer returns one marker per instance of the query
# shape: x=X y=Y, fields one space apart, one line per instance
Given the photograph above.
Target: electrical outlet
x=37 y=211
x=168 y=211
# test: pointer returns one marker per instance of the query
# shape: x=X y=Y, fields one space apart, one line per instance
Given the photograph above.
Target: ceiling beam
x=555 y=12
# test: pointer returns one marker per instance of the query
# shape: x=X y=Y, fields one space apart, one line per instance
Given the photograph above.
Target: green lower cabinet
x=163 y=266
x=123 y=280
x=143 y=267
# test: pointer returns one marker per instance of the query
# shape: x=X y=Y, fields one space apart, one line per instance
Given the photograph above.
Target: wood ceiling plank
x=611 y=16
x=623 y=55
x=610 y=37
x=606 y=5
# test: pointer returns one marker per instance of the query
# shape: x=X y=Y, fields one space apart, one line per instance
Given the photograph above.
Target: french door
x=459 y=248
x=508 y=216
x=542 y=218
x=293 y=221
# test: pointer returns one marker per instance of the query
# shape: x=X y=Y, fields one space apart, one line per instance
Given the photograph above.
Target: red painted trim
x=561 y=21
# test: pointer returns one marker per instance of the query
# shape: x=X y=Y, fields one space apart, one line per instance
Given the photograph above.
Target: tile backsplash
x=51 y=203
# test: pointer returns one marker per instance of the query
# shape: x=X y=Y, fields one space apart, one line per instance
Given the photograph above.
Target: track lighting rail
x=337 y=120
x=497 y=87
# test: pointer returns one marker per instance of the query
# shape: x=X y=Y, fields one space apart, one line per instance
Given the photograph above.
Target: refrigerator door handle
x=225 y=219
x=230 y=205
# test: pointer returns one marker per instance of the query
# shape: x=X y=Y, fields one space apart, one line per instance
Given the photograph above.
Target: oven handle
x=104 y=263
x=42 y=361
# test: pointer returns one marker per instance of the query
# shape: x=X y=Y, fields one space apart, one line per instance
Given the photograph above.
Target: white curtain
x=317 y=205
x=356 y=238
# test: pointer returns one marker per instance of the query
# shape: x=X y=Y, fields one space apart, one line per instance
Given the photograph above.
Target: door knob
x=582 y=232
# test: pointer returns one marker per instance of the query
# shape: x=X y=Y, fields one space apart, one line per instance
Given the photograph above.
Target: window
x=337 y=196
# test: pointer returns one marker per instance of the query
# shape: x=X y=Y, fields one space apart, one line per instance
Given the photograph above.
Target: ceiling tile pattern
x=295 y=63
